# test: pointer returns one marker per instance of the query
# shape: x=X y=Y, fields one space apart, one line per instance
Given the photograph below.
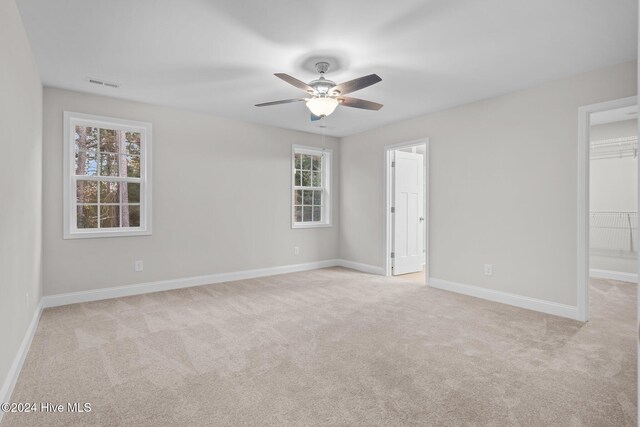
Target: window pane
x=317 y=198
x=130 y=216
x=104 y=158
x=317 y=182
x=298 y=197
x=87 y=191
x=133 y=142
x=87 y=216
x=306 y=162
x=298 y=213
x=109 y=192
x=316 y=164
x=308 y=197
x=109 y=216
x=92 y=138
x=108 y=141
x=109 y=165
x=306 y=179
x=297 y=162
x=298 y=178
x=130 y=192
x=86 y=163
x=307 y=214
x=86 y=138
x=317 y=213
x=133 y=166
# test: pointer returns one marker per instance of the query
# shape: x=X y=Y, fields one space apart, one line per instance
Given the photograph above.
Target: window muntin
x=311 y=170
x=107 y=177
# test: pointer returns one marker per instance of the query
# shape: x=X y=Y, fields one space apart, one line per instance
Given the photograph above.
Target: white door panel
x=408 y=220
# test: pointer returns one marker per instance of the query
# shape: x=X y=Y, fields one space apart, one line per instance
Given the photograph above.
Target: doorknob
x=421 y=218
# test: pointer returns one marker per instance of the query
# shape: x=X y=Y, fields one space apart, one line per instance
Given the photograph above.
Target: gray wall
x=20 y=185
x=503 y=186
x=221 y=196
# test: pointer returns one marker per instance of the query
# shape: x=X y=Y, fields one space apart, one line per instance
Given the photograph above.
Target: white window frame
x=327 y=159
x=71 y=231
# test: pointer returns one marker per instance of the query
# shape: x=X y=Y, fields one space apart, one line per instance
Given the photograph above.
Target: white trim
x=327 y=171
x=543 y=306
x=365 y=268
x=69 y=178
x=584 y=114
x=187 y=282
x=386 y=247
x=614 y=275
x=18 y=361
x=310 y=225
x=166 y=285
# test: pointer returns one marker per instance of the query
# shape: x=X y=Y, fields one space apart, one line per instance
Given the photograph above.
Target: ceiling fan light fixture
x=323 y=95
x=322 y=107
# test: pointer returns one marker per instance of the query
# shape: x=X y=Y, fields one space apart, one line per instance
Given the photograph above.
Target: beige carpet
x=417 y=277
x=331 y=347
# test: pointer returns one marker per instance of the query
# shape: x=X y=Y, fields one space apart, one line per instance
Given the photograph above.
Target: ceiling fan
x=325 y=95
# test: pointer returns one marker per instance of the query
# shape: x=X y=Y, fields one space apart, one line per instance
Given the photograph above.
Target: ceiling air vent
x=101 y=83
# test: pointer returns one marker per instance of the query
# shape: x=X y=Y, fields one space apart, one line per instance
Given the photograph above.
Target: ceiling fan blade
x=295 y=82
x=359 y=103
x=356 y=84
x=284 y=101
x=314 y=117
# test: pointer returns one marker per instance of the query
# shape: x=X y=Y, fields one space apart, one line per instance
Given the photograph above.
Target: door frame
x=584 y=114
x=388 y=199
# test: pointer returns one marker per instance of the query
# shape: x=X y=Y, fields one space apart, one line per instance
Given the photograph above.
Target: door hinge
x=393 y=209
x=393 y=164
x=393 y=254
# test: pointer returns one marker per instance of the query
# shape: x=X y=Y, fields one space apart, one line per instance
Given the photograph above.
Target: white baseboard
x=613 y=275
x=507 y=298
x=166 y=285
x=365 y=268
x=18 y=361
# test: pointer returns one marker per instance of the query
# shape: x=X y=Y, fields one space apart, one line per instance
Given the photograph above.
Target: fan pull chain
x=324 y=131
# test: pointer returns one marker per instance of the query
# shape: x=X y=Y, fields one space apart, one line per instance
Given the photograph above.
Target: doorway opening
x=607 y=196
x=406 y=207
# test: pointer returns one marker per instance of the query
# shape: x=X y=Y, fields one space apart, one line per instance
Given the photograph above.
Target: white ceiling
x=218 y=56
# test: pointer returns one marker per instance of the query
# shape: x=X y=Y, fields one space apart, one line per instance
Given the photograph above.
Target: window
x=311 y=197
x=107 y=177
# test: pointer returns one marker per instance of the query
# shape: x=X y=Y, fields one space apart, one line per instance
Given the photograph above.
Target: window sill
x=101 y=234
x=310 y=225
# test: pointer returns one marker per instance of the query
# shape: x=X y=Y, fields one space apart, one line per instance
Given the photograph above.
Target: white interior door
x=408 y=218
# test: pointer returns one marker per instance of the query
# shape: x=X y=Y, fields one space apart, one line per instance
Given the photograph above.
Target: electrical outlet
x=488 y=270
x=139 y=266
x=296 y=250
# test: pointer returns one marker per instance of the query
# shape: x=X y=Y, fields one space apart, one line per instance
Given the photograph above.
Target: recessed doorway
x=606 y=227
x=406 y=210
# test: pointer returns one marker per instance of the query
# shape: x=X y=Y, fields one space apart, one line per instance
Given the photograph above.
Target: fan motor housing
x=322 y=85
